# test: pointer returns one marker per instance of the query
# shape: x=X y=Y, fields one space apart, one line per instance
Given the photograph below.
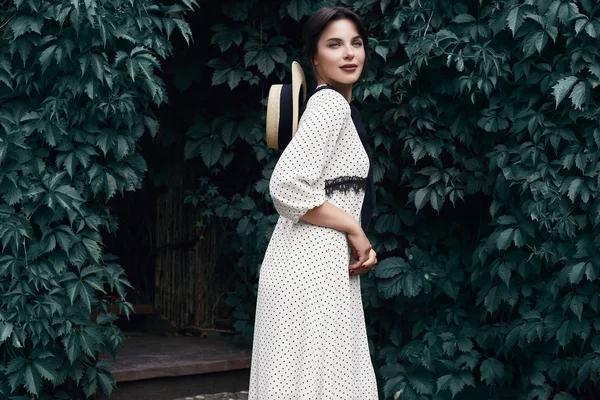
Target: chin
x=351 y=81
x=348 y=80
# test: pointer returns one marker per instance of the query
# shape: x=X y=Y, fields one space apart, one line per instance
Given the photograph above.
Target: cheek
x=326 y=62
x=324 y=58
x=361 y=53
x=321 y=57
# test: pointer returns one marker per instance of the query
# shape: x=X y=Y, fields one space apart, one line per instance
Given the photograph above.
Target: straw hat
x=284 y=109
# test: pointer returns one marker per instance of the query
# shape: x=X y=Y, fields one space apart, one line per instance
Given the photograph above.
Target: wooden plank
x=147 y=357
x=181 y=386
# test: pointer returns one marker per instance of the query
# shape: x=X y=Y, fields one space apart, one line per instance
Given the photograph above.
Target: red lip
x=349 y=66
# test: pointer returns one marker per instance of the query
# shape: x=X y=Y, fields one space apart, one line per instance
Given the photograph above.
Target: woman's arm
x=297 y=184
x=331 y=216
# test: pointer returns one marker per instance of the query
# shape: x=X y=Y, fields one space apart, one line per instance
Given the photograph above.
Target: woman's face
x=340 y=54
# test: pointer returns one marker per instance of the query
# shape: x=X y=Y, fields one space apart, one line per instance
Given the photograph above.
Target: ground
x=243 y=395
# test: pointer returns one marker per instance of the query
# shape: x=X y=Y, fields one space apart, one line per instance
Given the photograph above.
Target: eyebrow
x=355 y=37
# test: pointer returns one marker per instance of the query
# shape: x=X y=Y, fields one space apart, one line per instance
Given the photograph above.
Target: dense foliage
x=498 y=111
x=484 y=120
x=77 y=86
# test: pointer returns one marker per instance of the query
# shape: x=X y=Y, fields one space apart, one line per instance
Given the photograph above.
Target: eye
x=334 y=44
x=357 y=44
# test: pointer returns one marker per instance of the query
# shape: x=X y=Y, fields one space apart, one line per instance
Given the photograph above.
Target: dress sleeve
x=297 y=183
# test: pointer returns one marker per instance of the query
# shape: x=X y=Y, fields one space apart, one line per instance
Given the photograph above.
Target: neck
x=344 y=89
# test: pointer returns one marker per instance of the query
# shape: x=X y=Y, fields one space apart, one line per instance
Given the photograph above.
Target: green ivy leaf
x=298 y=8
x=515 y=18
x=504 y=238
x=578 y=96
x=93 y=248
x=390 y=267
x=23 y=24
x=32 y=380
x=46 y=56
x=8 y=265
x=421 y=197
x=565 y=333
x=492 y=299
x=107 y=382
x=6 y=329
x=537 y=378
x=534 y=41
x=455 y=383
x=265 y=57
x=383 y=52
x=464 y=19
x=492 y=371
x=45 y=369
x=563 y=87
x=234 y=76
x=577 y=271
x=225 y=36
x=101 y=180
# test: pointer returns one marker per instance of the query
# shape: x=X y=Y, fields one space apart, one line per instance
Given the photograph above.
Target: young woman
x=310 y=340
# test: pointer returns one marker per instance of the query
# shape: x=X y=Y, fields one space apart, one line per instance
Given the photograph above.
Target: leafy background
x=484 y=122
x=78 y=85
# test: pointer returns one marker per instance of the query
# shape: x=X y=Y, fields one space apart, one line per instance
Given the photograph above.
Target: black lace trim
x=345 y=184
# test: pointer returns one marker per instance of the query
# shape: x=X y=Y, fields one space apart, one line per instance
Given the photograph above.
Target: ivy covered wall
x=78 y=85
x=484 y=119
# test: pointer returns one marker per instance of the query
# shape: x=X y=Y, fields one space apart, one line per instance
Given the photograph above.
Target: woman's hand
x=331 y=216
x=360 y=246
x=367 y=265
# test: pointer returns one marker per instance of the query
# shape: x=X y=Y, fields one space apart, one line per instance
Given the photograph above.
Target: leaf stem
x=429 y=21
x=7 y=21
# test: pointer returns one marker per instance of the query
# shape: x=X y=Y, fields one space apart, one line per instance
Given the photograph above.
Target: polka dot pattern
x=310 y=339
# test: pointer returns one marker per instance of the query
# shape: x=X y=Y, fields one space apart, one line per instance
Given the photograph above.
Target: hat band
x=285 y=117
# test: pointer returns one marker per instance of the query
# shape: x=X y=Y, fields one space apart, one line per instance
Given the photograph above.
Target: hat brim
x=298 y=93
x=282 y=121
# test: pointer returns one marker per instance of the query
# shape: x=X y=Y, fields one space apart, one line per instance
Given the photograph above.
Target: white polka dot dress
x=310 y=340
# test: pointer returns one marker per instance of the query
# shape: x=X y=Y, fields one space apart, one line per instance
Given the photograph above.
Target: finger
x=370 y=261
x=355 y=264
x=364 y=259
x=361 y=255
x=358 y=271
x=358 y=263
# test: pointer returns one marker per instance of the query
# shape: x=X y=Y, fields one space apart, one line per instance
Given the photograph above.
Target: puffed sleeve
x=297 y=183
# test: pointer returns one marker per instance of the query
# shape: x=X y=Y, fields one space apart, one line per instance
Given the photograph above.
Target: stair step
x=152 y=367
x=243 y=395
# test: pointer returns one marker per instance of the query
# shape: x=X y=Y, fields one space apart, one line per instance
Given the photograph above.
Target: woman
x=310 y=340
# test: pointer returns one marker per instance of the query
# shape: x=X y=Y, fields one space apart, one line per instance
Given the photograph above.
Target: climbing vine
x=78 y=82
x=484 y=121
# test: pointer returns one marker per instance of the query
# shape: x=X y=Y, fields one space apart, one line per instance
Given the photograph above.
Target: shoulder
x=330 y=102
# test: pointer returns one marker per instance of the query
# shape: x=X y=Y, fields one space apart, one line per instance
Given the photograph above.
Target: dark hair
x=316 y=24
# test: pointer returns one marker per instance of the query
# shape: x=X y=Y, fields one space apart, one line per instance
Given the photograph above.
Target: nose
x=349 y=53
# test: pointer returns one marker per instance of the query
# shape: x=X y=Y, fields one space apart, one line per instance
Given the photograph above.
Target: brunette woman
x=310 y=339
